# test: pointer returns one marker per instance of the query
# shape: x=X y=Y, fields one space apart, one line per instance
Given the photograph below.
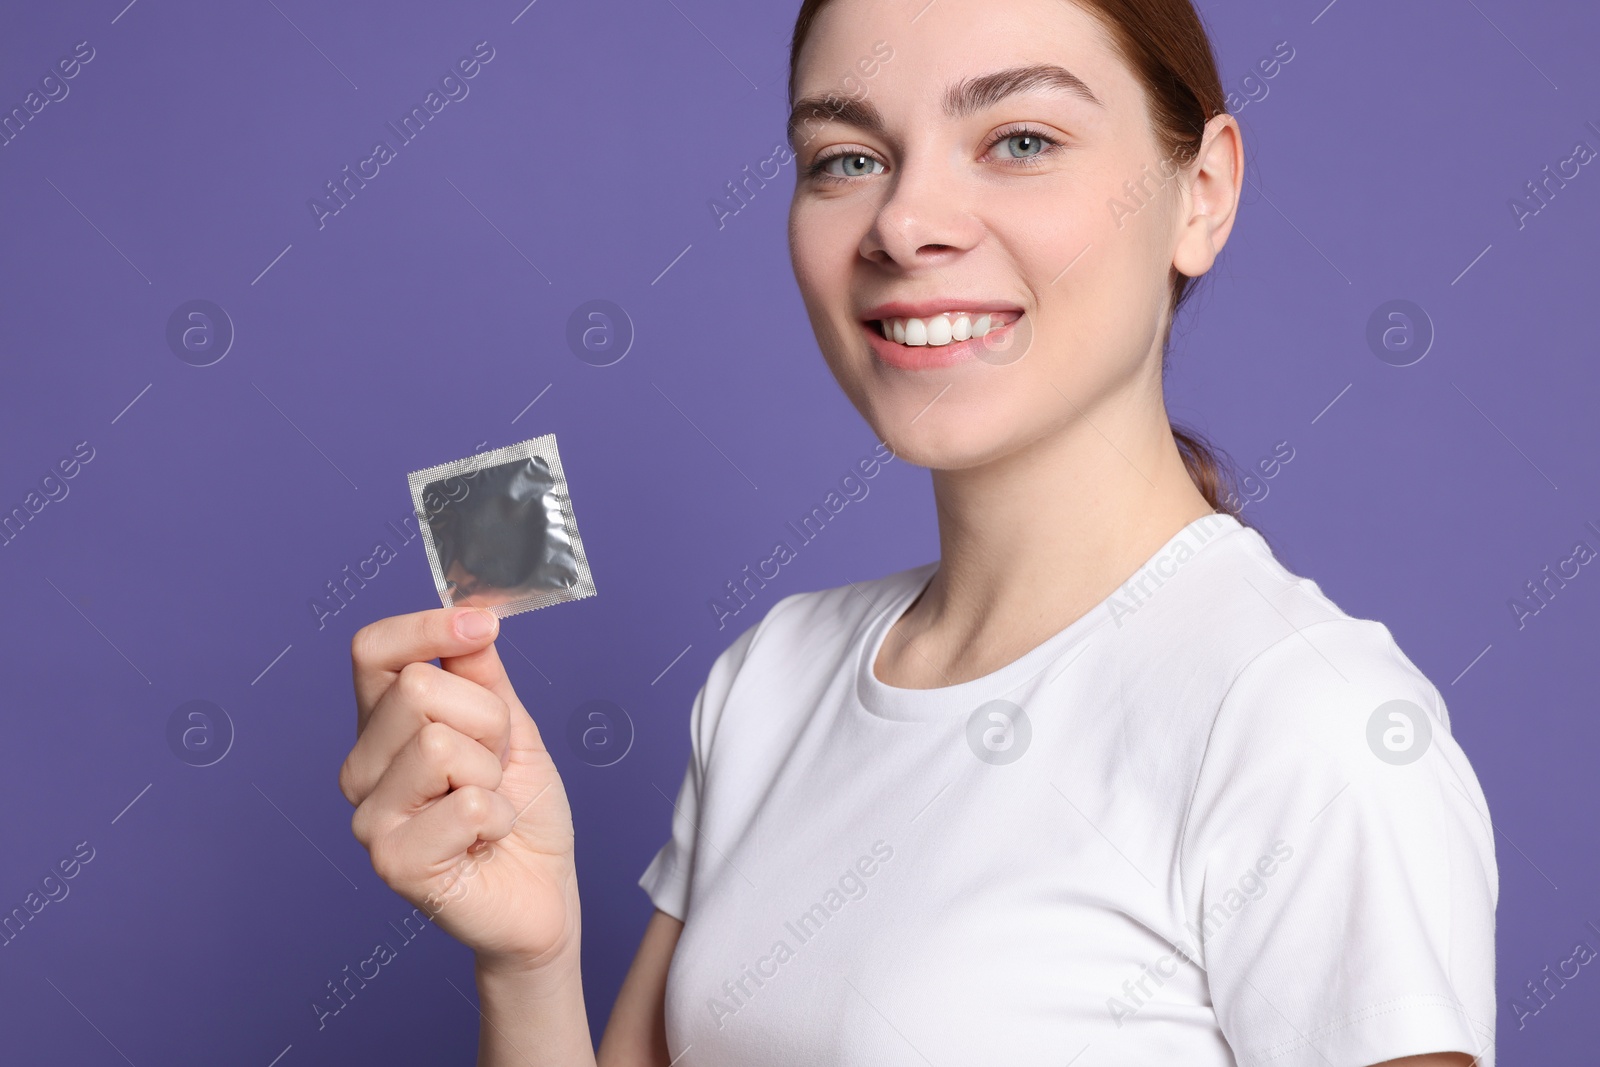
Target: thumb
x=484 y=666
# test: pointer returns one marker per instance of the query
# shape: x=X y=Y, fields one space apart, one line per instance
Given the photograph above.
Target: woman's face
x=940 y=189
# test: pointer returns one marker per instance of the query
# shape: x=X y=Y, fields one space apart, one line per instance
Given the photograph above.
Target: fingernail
x=475 y=624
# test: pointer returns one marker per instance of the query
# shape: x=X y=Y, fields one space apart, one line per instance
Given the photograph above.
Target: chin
x=949 y=434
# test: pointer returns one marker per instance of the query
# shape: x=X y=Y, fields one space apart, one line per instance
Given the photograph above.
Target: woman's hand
x=457 y=800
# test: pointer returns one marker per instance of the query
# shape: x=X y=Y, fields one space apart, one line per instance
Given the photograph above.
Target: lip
x=930 y=357
x=922 y=309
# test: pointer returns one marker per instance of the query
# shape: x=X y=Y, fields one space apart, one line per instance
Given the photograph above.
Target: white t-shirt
x=1189 y=829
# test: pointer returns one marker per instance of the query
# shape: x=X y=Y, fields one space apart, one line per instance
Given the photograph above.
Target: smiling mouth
x=942 y=329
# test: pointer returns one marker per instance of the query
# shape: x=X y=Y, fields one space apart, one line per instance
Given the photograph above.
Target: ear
x=1210 y=198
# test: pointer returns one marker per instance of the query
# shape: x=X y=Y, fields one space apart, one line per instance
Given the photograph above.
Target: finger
x=422 y=695
x=485 y=668
x=381 y=649
x=428 y=843
x=435 y=761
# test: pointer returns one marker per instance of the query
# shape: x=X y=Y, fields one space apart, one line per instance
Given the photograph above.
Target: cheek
x=1128 y=266
x=821 y=294
x=823 y=243
x=824 y=253
x=1098 y=285
x=1084 y=234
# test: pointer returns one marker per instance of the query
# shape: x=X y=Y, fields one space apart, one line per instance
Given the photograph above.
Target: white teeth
x=939 y=329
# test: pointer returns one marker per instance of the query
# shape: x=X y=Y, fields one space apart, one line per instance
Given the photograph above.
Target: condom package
x=499 y=530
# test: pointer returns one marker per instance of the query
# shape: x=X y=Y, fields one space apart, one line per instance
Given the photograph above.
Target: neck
x=1032 y=541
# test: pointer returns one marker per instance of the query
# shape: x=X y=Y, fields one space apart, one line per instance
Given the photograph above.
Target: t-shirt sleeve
x=1338 y=865
x=666 y=879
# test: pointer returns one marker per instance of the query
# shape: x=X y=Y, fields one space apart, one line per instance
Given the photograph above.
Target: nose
x=926 y=220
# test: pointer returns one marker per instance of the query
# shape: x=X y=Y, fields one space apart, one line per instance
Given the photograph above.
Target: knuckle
x=361 y=826
x=497 y=716
x=475 y=805
x=415 y=681
x=436 y=743
x=387 y=862
x=347 y=780
x=363 y=644
x=496 y=773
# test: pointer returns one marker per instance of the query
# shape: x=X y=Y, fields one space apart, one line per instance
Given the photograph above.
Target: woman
x=1105 y=783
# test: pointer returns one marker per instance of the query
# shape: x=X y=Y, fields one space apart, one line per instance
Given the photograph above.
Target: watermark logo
x=52 y=889
x=600 y=732
x=1541 y=991
x=341 y=591
x=740 y=195
x=1001 y=348
x=199 y=732
x=52 y=489
x=599 y=332
x=999 y=732
x=1253 y=89
x=1142 y=587
x=453 y=88
x=342 y=990
x=1228 y=902
x=742 y=592
x=1542 y=190
x=199 y=332
x=53 y=89
x=1554 y=578
x=1256 y=488
x=851 y=885
x=1399 y=332
x=1398 y=732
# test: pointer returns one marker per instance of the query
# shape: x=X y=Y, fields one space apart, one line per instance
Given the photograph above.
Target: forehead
x=938 y=44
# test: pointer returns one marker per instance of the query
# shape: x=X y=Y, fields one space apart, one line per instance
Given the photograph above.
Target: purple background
x=425 y=316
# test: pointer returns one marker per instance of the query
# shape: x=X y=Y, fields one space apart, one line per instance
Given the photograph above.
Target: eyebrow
x=964 y=98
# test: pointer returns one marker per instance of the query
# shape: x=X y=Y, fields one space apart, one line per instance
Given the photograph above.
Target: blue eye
x=1027 y=145
x=849 y=159
x=1027 y=139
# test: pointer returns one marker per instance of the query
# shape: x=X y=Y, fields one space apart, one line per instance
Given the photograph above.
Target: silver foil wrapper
x=499 y=530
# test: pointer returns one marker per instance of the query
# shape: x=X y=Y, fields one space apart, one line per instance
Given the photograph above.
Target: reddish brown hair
x=1166 y=45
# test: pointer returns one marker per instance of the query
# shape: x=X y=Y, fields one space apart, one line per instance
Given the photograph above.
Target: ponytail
x=1209 y=469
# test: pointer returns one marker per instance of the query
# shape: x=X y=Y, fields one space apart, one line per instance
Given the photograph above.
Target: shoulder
x=1339 y=699
x=1232 y=615
x=1309 y=701
x=834 y=616
x=1330 y=795
x=800 y=635
x=1326 y=730
x=1219 y=587
x=1293 y=662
